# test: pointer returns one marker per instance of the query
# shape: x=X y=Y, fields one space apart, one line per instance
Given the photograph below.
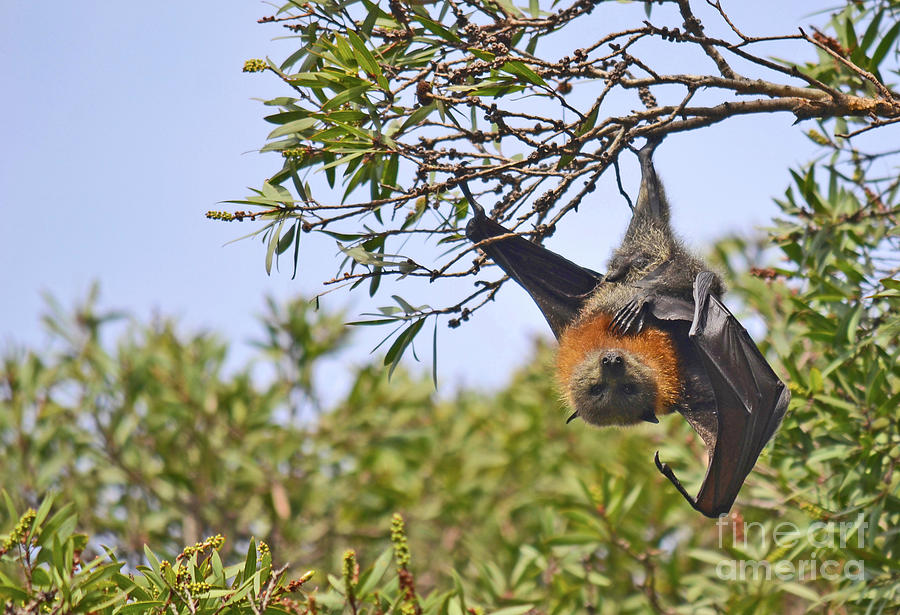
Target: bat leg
x=479 y=210
x=666 y=471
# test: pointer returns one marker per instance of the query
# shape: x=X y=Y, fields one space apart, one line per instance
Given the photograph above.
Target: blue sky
x=124 y=123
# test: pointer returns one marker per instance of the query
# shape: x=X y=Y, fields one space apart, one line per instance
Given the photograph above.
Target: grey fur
x=650 y=259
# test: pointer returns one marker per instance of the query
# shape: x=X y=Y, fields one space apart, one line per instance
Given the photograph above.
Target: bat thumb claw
x=662 y=467
x=572 y=418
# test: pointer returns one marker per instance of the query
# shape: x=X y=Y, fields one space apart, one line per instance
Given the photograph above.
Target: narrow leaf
x=348 y=95
x=519 y=69
x=886 y=44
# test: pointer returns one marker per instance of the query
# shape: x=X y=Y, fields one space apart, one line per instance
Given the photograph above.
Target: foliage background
x=152 y=441
x=155 y=444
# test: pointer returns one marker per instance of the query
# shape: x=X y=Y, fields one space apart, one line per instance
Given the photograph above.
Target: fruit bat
x=650 y=337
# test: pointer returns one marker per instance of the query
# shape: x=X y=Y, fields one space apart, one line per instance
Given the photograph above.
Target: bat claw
x=630 y=318
x=572 y=418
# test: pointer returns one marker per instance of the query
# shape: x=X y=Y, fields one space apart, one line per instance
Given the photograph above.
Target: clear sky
x=123 y=123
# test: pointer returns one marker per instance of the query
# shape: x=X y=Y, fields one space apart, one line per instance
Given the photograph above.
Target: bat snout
x=613 y=361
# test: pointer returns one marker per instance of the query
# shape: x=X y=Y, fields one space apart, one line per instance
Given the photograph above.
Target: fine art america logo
x=819 y=536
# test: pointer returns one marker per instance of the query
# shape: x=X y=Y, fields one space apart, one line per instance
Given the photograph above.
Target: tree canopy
x=397 y=103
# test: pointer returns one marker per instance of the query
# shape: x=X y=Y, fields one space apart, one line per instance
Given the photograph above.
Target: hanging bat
x=650 y=337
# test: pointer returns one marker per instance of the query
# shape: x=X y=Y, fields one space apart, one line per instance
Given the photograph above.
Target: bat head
x=617 y=380
x=612 y=386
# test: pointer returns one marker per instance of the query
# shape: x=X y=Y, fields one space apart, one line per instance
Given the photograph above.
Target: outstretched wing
x=557 y=285
x=750 y=401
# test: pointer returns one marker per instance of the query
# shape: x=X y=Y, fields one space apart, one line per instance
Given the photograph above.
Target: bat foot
x=630 y=317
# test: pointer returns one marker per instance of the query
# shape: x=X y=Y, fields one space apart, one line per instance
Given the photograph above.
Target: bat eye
x=596 y=389
x=629 y=389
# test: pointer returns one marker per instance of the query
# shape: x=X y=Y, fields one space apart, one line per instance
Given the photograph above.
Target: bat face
x=612 y=386
x=613 y=379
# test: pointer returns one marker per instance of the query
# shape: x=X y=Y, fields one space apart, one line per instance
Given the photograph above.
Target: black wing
x=557 y=285
x=750 y=401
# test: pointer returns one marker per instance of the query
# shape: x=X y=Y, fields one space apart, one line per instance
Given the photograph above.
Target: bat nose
x=613 y=361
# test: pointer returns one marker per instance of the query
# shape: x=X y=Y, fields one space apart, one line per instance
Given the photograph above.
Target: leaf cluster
x=395 y=103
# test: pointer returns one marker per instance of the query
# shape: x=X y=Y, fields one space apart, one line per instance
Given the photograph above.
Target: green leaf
x=280 y=146
x=250 y=562
x=514 y=610
x=297 y=126
x=481 y=54
x=366 y=60
x=403 y=303
x=364 y=257
x=42 y=513
x=389 y=176
x=342 y=115
x=344 y=52
x=286 y=240
x=273 y=244
x=434 y=353
x=395 y=352
x=871 y=32
x=369 y=581
x=886 y=44
x=519 y=69
x=437 y=29
x=11 y=513
x=287 y=117
x=275 y=193
x=342 y=236
x=890 y=283
x=490 y=88
x=140 y=607
x=346 y=96
x=801 y=591
x=151 y=559
x=296 y=249
x=244 y=589
x=344 y=160
x=509 y=7
x=380 y=321
x=375 y=281
x=416 y=117
x=13 y=593
x=850 y=40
